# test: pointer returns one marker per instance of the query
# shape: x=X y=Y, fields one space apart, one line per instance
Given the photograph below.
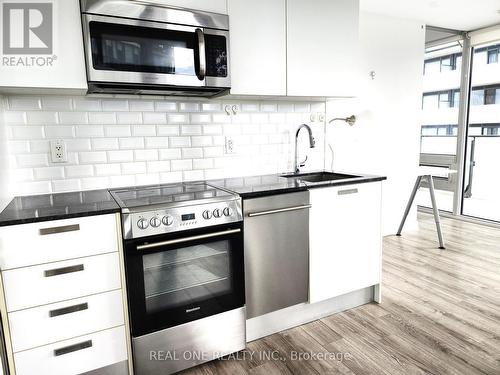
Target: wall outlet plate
x=58 y=151
x=229 y=146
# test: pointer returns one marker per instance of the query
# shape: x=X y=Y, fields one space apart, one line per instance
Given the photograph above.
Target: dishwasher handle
x=279 y=210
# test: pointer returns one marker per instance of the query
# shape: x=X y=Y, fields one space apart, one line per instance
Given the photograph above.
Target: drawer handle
x=64 y=270
x=347 y=191
x=68 y=310
x=279 y=210
x=73 y=348
x=62 y=229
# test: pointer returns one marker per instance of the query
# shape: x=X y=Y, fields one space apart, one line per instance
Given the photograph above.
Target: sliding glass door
x=481 y=196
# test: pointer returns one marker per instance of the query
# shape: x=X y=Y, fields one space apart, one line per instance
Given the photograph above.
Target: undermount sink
x=319 y=176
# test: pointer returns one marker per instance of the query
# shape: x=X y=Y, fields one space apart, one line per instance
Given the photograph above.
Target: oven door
x=177 y=278
x=137 y=52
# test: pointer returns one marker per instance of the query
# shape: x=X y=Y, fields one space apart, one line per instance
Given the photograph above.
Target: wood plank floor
x=440 y=314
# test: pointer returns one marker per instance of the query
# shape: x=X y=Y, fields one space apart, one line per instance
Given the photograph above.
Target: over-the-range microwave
x=144 y=47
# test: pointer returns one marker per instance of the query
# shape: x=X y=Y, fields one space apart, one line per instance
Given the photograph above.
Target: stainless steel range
x=183 y=247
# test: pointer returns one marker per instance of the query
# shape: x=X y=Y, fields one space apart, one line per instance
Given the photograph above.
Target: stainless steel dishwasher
x=276 y=240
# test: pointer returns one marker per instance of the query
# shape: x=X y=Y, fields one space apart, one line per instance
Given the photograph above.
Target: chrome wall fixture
x=351 y=120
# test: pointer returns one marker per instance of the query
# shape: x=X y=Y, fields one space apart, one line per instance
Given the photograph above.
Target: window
x=477 y=97
x=492 y=56
x=443 y=63
x=489 y=96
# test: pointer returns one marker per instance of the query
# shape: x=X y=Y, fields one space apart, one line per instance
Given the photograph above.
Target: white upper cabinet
x=257 y=47
x=45 y=58
x=322 y=45
x=215 y=6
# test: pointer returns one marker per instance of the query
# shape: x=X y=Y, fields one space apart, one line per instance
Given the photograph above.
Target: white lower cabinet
x=47 y=324
x=74 y=356
x=345 y=239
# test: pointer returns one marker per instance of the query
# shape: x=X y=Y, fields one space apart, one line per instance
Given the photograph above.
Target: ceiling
x=463 y=15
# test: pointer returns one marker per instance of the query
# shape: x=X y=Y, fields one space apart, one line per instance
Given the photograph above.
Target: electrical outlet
x=58 y=151
x=230 y=147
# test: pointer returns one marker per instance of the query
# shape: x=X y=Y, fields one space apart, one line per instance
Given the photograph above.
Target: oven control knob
x=227 y=211
x=207 y=214
x=143 y=223
x=167 y=220
x=217 y=212
x=155 y=222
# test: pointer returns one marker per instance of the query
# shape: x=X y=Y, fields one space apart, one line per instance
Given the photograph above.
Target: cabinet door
x=345 y=239
x=322 y=43
x=257 y=47
x=31 y=64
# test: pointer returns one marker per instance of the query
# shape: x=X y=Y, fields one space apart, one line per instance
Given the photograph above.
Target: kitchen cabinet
x=257 y=47
x=345 y=239
x=294 y=47
x=276 y=252
x=61 y=69
x=63 y=297
x=322 y=43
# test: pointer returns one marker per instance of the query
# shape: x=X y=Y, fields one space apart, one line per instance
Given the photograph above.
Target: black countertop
x=260 y=186
x=35 y=208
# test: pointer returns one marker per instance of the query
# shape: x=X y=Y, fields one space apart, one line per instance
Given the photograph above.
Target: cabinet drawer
x=60 y=281
x=51 y=241
x=75 y=356
x=60 y=321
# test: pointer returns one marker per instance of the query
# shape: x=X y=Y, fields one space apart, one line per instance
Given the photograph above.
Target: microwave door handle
x=202 y=71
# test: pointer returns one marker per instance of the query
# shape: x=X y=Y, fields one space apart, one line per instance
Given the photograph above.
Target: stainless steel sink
x=320 y=176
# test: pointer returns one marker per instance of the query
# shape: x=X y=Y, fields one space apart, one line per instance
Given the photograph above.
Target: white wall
x=124 y=141
x=4 y=170
x=385 y=140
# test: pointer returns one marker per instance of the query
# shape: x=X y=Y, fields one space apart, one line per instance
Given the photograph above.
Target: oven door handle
x=187 y=239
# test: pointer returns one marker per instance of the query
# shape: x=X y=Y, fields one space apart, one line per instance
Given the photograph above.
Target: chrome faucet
x=311 y=145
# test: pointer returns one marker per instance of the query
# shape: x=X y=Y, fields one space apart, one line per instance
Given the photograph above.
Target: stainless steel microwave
x=143 y=47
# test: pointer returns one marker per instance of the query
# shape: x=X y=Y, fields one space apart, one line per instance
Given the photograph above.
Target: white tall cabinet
x=322 y=47
x=294 y=47
x=345 y=249
x=257 y=47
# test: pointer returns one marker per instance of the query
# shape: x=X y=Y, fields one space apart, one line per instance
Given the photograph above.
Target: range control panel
x=150 y=223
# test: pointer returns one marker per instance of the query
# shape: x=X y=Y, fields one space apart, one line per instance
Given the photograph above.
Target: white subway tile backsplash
x=131 y=143
x=143 y=130
x=104 y=118
x=141 y=105
x=192 y=153
x=180 y=141
x=189 y=107
x=115 y=105
x=93 y=157
x=41 y=118
x=120 y=156
x=79 y=170
x=170 y=153
x=89 y=131
x=168 y=130
x=129 y=118
x=123 y=141
x=107 y=169
x=154 y=118
x=165 y=106
x=117 y=131
x=105 y=143
x=145 y=155
x=22 y=103
x=134 y=168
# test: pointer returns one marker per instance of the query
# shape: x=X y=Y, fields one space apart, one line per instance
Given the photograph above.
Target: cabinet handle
x=64 y=270
x=348 y=191
x=68 y=310
x=73 y=348
x=287 y=209
x=61 y=229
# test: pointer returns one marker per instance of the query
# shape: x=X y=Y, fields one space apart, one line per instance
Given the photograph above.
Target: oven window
x=186 y=275
x=141 y=49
